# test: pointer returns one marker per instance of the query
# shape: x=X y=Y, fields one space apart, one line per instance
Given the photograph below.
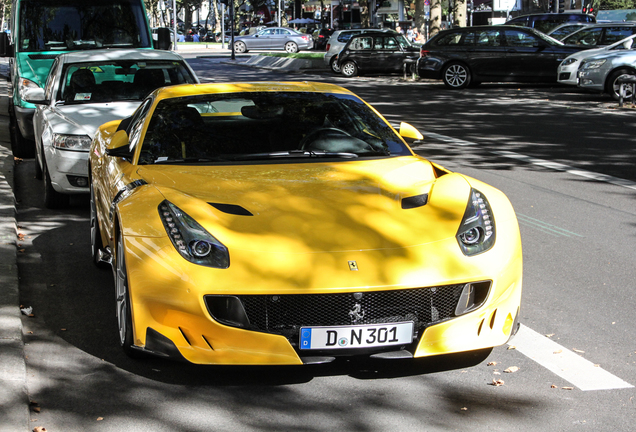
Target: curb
x=14 y=400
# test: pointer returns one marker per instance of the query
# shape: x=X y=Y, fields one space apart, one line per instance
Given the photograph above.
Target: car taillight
x=328 y=46
x=424 y=53
x=305 y=37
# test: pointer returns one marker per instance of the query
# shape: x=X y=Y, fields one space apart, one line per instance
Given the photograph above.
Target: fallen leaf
x=549 y=335
x=558 y=352
x=62 y=329
x=577 y=350
x=21 y=250
x=511 y=369
x=37 y=409
x=30 y=332
x=464 y=409
x=496 y=373
x=496 y=382
x=567 y=388
x=597 y=365
x=100 y=418
x=553 y=386
x=21 y=237
x=492 y=364
x=512 y=347
x=39 y=429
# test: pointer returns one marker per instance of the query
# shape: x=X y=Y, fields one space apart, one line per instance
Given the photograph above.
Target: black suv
x=379 y=51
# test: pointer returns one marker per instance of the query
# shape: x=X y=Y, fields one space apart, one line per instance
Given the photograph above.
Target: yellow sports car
x=288 y=223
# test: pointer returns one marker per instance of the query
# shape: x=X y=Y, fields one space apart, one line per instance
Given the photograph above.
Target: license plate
x=359 y=336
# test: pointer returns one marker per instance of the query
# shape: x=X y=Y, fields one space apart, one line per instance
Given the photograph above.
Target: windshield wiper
x=294 y=154
x=160 y=161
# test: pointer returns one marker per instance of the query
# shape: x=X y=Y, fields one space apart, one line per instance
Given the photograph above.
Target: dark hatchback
x=320 y=37
x=380 y=51
x=500 y=53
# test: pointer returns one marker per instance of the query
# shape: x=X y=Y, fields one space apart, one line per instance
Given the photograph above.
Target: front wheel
x=240 y=47
x=333 y=63
x=349 y=69
x=291 y=47
x=456 y=76
x=20 y=146
x=614 y=88
x=123 y=311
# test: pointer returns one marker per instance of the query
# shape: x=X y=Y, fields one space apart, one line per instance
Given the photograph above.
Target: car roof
x=118 y=54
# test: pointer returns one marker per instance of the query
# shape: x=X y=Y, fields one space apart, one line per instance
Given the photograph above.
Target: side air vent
x=232 y=209
x=414 y=201
x=42 y=56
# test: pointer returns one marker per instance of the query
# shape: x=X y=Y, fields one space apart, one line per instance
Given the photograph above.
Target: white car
x=567 y=72
x=83 y=91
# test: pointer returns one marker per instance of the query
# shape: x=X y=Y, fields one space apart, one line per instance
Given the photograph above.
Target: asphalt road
x=578 y=229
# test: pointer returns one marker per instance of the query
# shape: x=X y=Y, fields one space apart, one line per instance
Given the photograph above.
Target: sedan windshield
x=266 y=126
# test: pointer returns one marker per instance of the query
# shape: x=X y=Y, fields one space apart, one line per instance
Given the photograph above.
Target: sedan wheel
x=456 y=76
x=334 y=64
x=349 y=69
x=123 y=312
x=614 y=88
x=291 y=47
x=240 y=47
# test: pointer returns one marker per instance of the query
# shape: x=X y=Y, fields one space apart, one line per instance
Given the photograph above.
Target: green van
x=42 y=29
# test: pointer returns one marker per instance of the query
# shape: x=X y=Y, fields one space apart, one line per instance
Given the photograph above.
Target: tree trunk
x=459 y=12
x=435 y=24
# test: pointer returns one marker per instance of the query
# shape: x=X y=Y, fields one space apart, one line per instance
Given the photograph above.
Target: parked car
x=274 y=38
x=599 y=35
x=84 y=90
x=227 y=34
x=377 y=51
x=320 y=37
x=336 y=42
x=567 y=72
x=472 y=55
x=544 y=22
x=600 y=72
x=322 y=238
x=566 y=29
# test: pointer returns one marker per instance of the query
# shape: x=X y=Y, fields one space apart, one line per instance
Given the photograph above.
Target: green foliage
x=617 y=4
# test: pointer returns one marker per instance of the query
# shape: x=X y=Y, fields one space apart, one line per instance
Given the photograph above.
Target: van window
x=55 y=25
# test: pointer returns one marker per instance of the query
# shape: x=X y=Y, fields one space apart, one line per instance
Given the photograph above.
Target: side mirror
x=163 y=39
x=409 y=132
x=6 y=49
x=118 y=146
x=35 y=96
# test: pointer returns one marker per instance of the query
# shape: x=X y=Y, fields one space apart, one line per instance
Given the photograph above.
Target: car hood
x=332 y=207
x=622 y=56
x=84 y=119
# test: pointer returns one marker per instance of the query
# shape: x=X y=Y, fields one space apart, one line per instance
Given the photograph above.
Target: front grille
x=286 y=314
x=564 y=76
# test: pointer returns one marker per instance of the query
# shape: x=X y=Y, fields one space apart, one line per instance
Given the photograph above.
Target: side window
x=362 y=43
x=614 y=34
x=449 y=39
x=520 y=39
x=489 y=38
x=390 y=43
x=584 y=37
x=136 y=125
x=345 y=36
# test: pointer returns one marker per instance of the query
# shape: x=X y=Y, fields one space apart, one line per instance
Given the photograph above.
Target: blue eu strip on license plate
x=356 y=336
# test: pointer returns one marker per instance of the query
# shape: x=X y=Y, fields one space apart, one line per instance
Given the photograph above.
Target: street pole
x=174 y=24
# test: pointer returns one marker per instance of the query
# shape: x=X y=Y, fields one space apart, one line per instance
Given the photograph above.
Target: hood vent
x=232 y=209
x=414 y=201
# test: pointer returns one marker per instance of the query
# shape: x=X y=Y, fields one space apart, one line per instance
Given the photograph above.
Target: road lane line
x=568 y=365
x=544 y=226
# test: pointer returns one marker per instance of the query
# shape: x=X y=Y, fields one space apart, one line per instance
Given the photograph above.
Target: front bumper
x=168 y=297
x=592 y=79
x=66 y=168
x=24 y=118
x=568 y=74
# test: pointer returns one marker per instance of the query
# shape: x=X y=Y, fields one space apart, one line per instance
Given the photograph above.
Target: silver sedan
x=274 y=38
x=601 y=72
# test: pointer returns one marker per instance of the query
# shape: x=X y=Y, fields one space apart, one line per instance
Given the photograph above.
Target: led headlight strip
x=476 y=232
x=191 y=240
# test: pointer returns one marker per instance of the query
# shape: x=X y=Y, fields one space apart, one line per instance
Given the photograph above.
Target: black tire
x=240 y=47
x=122 y=301
x=456 y=76
x=52 y=198
x=291 y=47
x=612 y=88
x=96 y=236
x=333 y=63
x=349 y=69
x=21 y=147
x=38 y=168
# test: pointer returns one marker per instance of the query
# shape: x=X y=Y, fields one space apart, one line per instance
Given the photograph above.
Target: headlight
x=569 y=61
x=72 y=142
x=594 y=64
x=25 y=84
x=191 y=240
x=476 y=233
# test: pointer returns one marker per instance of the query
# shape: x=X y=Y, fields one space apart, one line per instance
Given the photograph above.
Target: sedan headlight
x=476 y=233
x=24 y=85
x=594 y=64
x=191 y=240
x=72 y=142
x=569 y=61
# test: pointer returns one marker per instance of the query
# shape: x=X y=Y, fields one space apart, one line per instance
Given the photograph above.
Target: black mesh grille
x=286 y=314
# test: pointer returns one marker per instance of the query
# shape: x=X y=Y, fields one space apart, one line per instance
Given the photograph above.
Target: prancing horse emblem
x=353 y=266
x=356 y=313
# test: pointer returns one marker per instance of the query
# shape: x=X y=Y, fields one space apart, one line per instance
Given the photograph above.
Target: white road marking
x=536 y=161
x=568 y=365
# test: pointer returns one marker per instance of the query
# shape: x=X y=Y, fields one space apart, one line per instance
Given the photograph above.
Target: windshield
x=121 y=80
x=55 y=25
x=257 y=126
